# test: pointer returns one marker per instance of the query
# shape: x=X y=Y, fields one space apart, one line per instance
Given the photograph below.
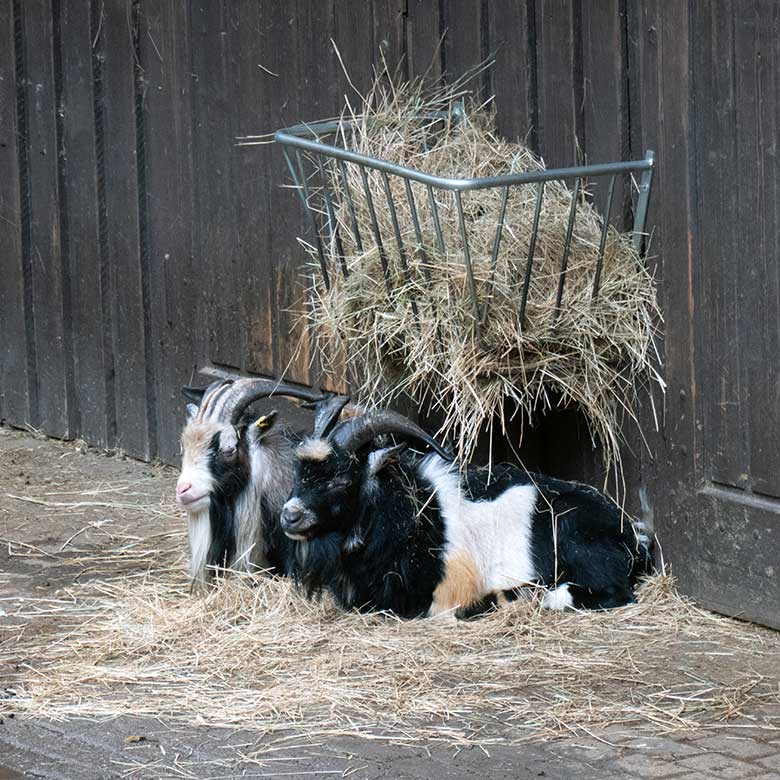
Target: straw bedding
x=590 y=353
x=257 y=656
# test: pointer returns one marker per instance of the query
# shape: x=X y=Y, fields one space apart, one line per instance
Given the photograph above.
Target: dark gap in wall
x=26 y=211
x=143 y=229
x=578 y=80
x=626 y=127
x=533 y=85
x=72 y=407
x=442 y=32
x=484 y=49
x=109 y=371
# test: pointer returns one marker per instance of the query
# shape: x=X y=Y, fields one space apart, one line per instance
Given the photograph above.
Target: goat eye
x=339 y=483
x=228 y=452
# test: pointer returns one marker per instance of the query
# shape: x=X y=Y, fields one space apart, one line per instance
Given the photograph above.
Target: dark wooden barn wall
x=138 y=243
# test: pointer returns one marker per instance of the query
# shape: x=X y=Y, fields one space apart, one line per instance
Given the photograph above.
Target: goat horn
x=328 y=412
x=246 y=391
x=359 y=431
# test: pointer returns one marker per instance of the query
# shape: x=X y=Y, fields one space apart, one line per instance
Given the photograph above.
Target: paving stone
x=737 y=747
x=720 y=766
x=664 y=745
x=771 y=762
x=648 y=766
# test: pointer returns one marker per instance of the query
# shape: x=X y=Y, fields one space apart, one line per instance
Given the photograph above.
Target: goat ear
x=264 y=423
x=194 y=394
x=378 y=459
x=192 y=410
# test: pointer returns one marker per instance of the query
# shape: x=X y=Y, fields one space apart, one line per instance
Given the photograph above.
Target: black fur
x=231 y=478
x=578 y=536
x=374 y=546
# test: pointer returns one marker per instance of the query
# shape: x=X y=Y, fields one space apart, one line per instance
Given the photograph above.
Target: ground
x=57 y=528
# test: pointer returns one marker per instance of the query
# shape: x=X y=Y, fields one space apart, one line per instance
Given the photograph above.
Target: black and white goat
x=237 y=472
x=382 y=530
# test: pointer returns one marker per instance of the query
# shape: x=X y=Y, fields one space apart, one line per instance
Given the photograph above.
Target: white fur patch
x=558 y=599
x=496 y=534
x=199 y=529
x=314 y=449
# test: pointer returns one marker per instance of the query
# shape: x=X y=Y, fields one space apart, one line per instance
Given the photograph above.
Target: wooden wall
x=139 y=244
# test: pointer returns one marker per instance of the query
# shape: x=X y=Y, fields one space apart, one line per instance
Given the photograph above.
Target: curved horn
x=355 y=433
x=328 y=412
x=246 y=391
x=194 y=394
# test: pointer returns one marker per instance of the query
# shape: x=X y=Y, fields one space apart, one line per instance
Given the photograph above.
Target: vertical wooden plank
x=715 y=129
x=357 y=51
x=757 y=57
x=605 y=96
x=560 y=132
x=512 y=41
x=660 y=115
x=49 y=276
x=424 y=47
x=389 y=33
x=14 y=399
x=118 y=152
x=465 y=42
x=174 y=278
x=217 y=98
x=82 y=249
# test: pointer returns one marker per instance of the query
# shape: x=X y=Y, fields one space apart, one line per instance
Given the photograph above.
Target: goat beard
x=317 y=562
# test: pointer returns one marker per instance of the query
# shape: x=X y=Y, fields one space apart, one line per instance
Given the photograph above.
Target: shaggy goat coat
x=418 y=537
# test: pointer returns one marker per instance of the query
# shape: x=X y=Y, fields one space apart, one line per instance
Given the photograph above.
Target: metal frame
x=306 y=138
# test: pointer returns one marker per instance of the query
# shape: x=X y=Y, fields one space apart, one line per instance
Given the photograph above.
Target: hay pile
x=263 y=659
x=592 y=353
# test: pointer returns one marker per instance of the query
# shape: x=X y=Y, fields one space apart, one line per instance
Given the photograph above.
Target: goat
x=383 y=531
x=237 y=472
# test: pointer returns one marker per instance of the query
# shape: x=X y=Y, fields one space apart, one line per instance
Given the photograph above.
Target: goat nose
x=291 y=515
x=183 y=487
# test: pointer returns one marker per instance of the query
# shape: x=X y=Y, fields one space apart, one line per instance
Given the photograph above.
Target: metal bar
x=335 y=236
x=351 y=206
x=417 y=231
x=436 y=222
x=398 y=239
x=298 y=185
x=531 y=249
x=567 y=244
x=375 y=226
x=603 y=243
x=494 y=259
x=313 y=221
x=467 y=259
x=289 y=139
x=642 y=202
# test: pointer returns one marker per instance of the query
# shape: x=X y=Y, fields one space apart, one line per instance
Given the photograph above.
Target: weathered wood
x=424 y=46
x=15 y=345
x=49 y=275
x=218 y=96
x=166 y=60
x=81 y=248
x=560 y=130
x=757 y=66
x=720 y=379
x=119 y=153
x=513 y=44
x=663 y=93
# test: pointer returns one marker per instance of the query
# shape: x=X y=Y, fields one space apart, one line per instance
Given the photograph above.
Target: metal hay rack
x=314 y=163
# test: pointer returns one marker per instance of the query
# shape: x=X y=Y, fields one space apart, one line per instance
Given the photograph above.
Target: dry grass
x=590 y=353
x=263 y=659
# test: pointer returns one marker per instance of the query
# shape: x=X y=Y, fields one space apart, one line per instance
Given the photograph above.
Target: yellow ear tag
x=266 y=421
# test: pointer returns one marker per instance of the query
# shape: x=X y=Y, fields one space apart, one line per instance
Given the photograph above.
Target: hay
x=264 y=660
x=589 y=353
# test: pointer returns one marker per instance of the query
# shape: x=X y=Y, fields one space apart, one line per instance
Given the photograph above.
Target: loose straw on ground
x=256 y=655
